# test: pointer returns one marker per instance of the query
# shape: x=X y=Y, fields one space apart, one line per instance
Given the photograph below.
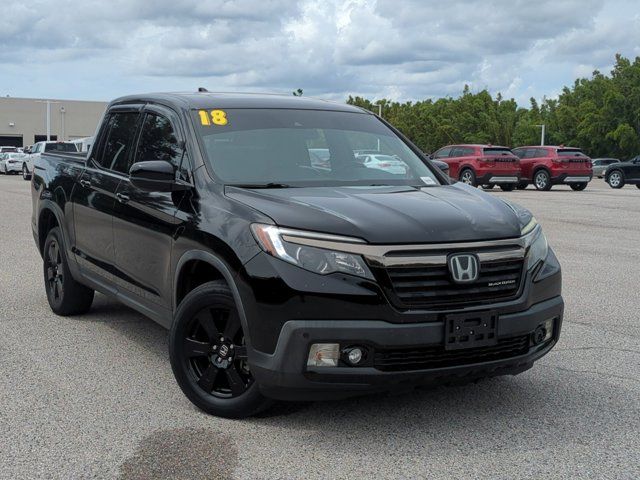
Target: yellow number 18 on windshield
x=215 y=117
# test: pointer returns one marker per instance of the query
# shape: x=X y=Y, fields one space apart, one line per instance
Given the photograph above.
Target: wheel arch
x=537 y=168
x=467 y=166
x=49 y=217
x=608 y=173
x=205 y=261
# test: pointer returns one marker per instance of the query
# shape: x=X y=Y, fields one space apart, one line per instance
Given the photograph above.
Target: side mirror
x=155 y=176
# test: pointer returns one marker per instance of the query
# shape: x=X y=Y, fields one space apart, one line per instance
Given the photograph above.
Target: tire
x=207 y=321
x=508 y=187
x=488 y=186
x=637 y=185
x=467 y=176
x=542 y=181
x=522 y=186
x=65 y=295
x=616 y=179
x=578 y=187
x=25 y=173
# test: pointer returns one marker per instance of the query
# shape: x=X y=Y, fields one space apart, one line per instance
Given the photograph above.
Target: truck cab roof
x=207 y=100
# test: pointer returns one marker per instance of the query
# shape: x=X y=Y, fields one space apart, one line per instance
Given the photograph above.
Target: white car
x=387 y=163
x=38 y=149
x=11 y=162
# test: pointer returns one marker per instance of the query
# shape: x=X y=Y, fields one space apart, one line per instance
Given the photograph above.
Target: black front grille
x=422 y=358
x=432 y=285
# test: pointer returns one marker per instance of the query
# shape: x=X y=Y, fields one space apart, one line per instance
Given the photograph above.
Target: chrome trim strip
x=576 y=179
x=503 y=179
x=291 y=235
x=378 y=255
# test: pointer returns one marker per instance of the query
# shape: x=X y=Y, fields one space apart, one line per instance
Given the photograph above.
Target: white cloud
x=408 y=50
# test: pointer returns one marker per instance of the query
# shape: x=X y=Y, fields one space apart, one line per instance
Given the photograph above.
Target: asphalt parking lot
x=94 y=397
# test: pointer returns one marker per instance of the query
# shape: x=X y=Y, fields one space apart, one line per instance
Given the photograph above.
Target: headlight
x=316 y=260
x=538 y=249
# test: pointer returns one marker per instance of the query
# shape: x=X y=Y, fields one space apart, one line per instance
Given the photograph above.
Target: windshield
x=60 y=147
x=497 y=151
x=570 y=152
x=278 y=147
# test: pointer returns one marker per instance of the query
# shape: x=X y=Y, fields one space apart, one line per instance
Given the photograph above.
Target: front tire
x=25 y=173
x=508 y=187
x=488 y=186
x=469 y=177
x=65 y=295
x=208 y=354
x=522 y=185
x=616 y=179
x=542 y=181
x=578 y=187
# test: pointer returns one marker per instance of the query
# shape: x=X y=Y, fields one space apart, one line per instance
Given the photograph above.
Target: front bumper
x=285 y=375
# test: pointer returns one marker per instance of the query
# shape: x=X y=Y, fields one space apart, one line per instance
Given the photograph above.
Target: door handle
x=122 y=198
x=85 y=183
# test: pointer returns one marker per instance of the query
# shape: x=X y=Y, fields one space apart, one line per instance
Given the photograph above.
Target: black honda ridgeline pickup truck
x=297 y=249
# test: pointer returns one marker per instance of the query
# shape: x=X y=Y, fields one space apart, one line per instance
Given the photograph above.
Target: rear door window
x=117 y=147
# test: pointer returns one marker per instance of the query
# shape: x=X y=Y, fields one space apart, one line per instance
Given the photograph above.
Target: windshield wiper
x=260 y=185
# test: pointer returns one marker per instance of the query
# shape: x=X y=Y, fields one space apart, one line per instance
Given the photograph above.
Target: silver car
x=601 y=164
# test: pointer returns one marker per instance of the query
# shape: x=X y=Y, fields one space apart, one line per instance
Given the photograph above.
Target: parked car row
x=542 y=166
x=12 y=160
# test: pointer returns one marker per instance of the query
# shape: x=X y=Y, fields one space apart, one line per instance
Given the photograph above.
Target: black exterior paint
x=133 y=245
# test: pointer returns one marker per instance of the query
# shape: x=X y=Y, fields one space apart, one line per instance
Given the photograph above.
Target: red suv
x=485 y=165
x=545 y=166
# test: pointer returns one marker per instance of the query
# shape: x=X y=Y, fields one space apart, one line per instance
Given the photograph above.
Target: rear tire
x=209 y=355
x=637 y=185
x=508 y=187
x=616 y=179
x=488 y=186
x=578 y=187
x=522 y=185
x=469 y=177
x=65 y=295
x=542 y=181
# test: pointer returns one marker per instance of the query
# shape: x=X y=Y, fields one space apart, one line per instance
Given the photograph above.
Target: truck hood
x=389 y=214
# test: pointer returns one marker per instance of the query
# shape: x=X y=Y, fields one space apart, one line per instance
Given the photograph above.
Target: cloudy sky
x=399 y=49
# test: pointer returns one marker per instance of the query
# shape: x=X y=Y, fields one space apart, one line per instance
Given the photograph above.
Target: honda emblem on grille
x=464 y=268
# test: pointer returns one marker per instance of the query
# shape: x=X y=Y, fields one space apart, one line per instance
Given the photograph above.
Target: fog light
x=548 y=326
x=543 y=332
x=323 y=355
x=354 y=356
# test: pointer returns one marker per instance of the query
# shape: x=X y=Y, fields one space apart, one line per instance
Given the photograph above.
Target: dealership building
x=23 y=121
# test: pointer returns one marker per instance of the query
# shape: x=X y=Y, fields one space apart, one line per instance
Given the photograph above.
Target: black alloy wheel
x=54 y=271
x=65 y=295
x=216 y=353
x=208 y=352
